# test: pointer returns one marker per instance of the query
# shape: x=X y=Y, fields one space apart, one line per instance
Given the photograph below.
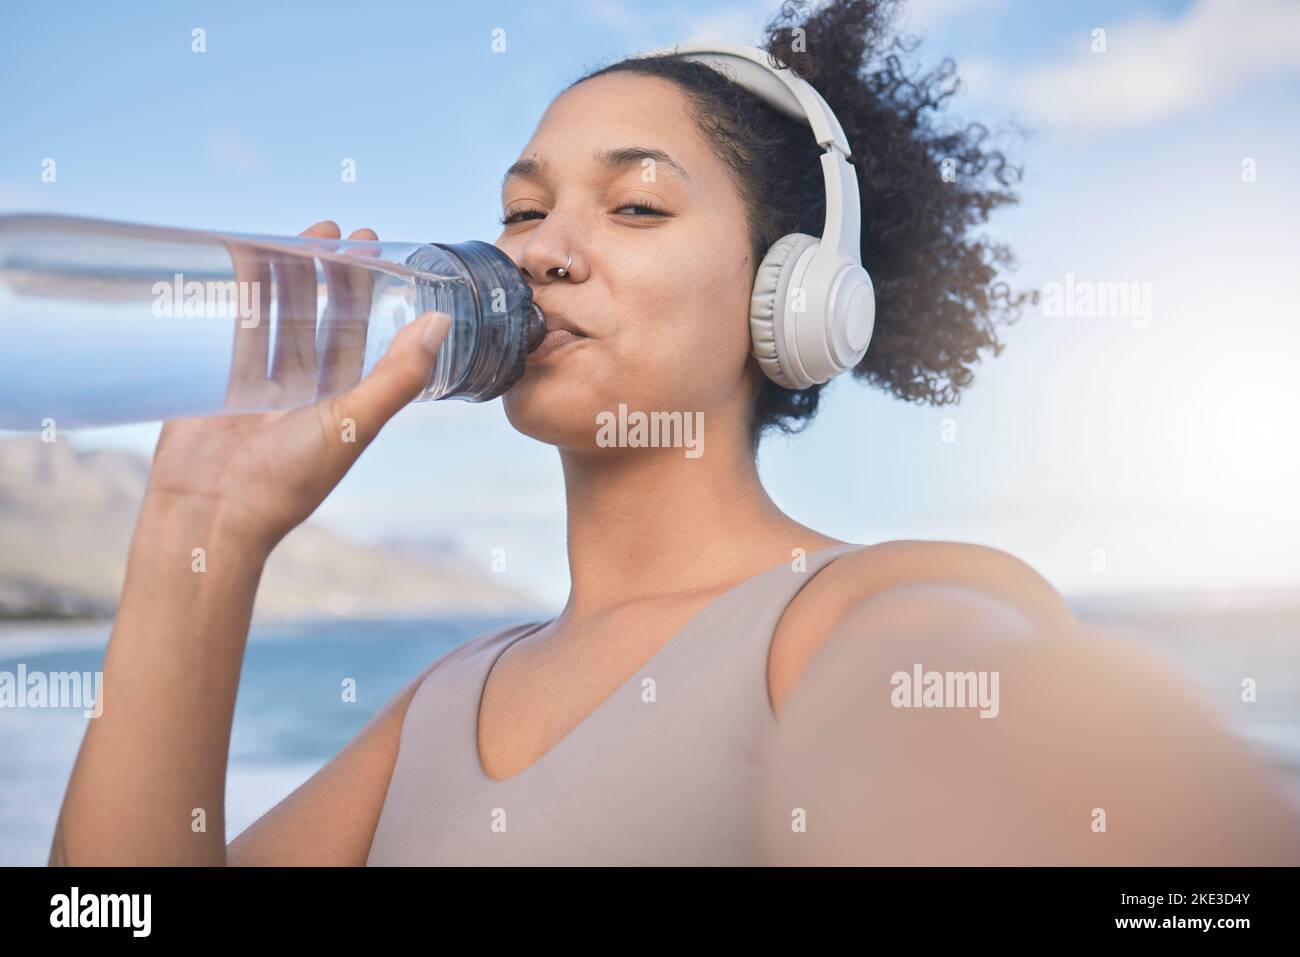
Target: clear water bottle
x=106 y=323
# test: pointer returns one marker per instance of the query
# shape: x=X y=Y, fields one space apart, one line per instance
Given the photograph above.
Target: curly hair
x=923 y=186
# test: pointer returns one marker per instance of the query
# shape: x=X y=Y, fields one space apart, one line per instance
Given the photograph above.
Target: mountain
x=66 y=519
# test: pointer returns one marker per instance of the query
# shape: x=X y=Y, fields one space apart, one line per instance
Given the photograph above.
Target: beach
x=294 y=710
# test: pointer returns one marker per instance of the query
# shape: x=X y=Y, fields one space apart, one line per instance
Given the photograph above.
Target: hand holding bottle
x=225 y=488
x=263 y=473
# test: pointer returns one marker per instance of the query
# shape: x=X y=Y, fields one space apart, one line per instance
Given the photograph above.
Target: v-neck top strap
x=664 y=771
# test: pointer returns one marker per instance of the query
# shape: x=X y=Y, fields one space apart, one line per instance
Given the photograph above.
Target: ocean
x=291 y=716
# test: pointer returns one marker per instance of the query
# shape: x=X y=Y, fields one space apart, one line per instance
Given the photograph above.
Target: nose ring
x=563 y=271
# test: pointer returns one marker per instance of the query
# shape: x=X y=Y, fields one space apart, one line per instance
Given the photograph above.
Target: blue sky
x=1112 y=455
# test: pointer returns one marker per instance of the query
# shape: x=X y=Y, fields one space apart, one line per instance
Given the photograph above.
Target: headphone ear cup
x=767 y=306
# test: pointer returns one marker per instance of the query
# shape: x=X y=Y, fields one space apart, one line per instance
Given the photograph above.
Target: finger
x=347 y=319
x=325 y=229
x=293 y=364
x=397 y=378
x=246 y=385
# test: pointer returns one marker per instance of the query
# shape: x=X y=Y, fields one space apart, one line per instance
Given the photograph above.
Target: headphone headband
x=797 y=98
x=751 y=68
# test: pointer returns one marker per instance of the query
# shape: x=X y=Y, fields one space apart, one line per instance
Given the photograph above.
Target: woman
x=722 y=685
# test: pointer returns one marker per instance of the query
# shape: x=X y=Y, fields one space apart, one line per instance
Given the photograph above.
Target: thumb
x=397 y=378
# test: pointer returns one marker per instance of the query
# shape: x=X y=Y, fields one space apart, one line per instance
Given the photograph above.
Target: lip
x=558 y=320
x=554 y=339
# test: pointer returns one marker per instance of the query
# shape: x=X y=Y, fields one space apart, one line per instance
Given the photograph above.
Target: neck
x=651 y=521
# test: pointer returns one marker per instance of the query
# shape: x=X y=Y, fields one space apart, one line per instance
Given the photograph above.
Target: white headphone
x=813 y=307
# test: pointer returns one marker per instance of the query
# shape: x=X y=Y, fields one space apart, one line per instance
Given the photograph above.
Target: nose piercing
x=563 y=271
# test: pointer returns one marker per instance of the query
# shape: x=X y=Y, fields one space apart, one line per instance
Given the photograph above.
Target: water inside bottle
x=131 y=338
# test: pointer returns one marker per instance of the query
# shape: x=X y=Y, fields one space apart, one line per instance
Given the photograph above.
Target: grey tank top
x=669 y=778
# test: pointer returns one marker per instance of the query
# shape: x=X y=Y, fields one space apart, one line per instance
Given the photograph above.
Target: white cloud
x=979 y=78
x=1156 y=68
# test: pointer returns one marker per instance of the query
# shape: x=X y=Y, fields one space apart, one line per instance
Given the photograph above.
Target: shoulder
x=481 y=644
x=852 y=578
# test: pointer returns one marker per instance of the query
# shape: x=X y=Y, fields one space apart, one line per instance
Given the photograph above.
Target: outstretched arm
x=1093 y=752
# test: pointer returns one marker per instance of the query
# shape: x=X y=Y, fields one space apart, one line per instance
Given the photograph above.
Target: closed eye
x=642 y=209
x=517 y=216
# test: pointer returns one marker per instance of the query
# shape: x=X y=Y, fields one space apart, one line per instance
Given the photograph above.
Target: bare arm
x=148 y=785
x=130 y=760
x=1098 y=754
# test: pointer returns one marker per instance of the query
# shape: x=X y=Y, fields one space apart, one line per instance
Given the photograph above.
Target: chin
x=557 y=410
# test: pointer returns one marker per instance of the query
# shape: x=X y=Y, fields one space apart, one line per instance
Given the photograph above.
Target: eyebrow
x=610 y=159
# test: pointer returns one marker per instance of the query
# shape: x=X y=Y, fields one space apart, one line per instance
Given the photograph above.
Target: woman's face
x=661 y=297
